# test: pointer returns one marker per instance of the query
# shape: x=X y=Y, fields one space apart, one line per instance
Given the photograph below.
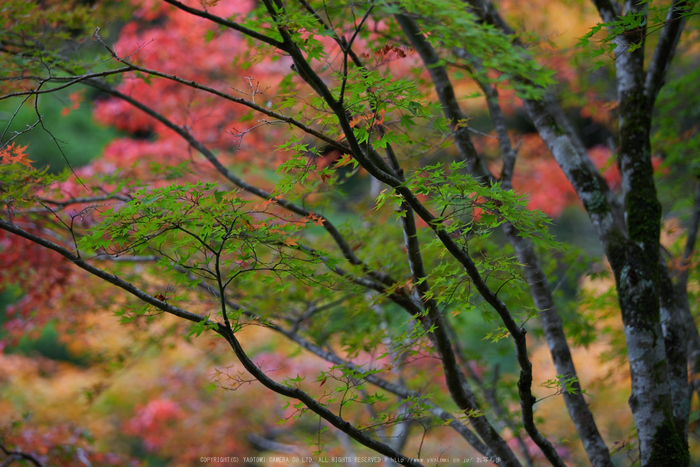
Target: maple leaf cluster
x=167 y=393
x=15 y=154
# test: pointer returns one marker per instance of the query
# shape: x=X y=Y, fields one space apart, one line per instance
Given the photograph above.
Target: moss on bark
x=668 y=449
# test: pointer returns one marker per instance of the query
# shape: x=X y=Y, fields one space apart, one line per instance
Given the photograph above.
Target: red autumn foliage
x=157 y=34
x=25 y=262
x=62 y=446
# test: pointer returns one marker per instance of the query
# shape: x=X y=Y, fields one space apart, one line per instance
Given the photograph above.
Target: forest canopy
x=397 y=233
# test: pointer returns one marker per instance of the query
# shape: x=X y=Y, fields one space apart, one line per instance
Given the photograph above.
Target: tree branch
x=448 y=99
x=229 y=24
x=370 y=161
x=312 y=404
x=396 y=389
x=287 y=391
x=677 y=344
x=540 y=290
x=456 y=382
x=458 y=121
x=238 y=100
x=70 y=82
x=19 y=456
x=330 y=228
x=681 y=292
x=111 y=278
x=691 y=240
x=665 y=49
x=609 y=10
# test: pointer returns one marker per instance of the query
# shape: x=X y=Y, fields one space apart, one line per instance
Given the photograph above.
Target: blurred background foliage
x=152 y=395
